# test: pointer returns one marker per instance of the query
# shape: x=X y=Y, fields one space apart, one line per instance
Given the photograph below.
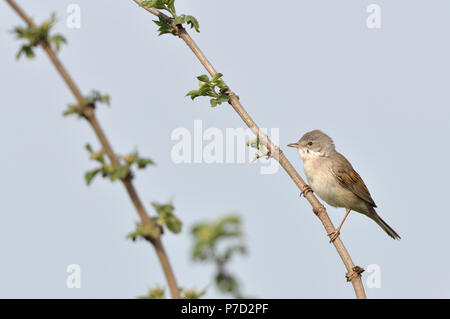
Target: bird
x=331 y=176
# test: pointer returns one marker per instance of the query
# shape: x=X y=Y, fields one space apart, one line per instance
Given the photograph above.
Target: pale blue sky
x=381 y=94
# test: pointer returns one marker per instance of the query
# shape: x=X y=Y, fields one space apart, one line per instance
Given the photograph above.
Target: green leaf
x=134 y=158
x=203 y=78
x=222 y=86
x=96 y=97
x=88 y=147
x=70 y=110
x=119 y=173
x=171 y=6
x=192 y=21
x=193 y=94
x=207 y=90
x=179 y=19
x=144 y=231
x=216 y=77
x=166 y=217
x=143 y=162
x=108 y=169
x=98 y=156
x=164 y=26
x=27 y=51
x=226 y=283
x=223 y=98
x=157 y=4
x=57 y=40
x=174 y=225
x=89 y=176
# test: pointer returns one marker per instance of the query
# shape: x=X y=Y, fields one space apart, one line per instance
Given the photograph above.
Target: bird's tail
x=388 y=229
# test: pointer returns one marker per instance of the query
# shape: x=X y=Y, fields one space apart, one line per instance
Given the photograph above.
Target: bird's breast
x=324 y=184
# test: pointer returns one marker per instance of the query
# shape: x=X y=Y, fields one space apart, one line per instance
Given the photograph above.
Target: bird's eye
x=310 y=143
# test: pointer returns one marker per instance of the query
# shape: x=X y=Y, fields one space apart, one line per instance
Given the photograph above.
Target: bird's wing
x=348 y=178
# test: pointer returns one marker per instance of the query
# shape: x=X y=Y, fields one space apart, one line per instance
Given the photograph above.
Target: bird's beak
x=296 y=145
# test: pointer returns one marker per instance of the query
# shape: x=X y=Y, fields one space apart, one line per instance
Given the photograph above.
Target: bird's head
x=314 y=144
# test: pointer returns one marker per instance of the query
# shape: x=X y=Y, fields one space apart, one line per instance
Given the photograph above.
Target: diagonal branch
x=354 y=272
x=89 y=114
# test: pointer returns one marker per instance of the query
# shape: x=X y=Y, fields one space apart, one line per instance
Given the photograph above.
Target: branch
x=354 y=272
x=89 y=114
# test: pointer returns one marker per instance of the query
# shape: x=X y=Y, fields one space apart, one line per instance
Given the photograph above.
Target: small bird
x=331 y=176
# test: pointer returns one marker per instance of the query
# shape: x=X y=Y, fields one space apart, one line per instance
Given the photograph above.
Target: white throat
x=306 y=154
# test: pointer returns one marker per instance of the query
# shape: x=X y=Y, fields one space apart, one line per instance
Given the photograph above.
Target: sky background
x=381 y=94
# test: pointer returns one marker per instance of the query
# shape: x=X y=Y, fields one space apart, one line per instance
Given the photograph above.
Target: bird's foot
x=305 y=190
x=334 y=235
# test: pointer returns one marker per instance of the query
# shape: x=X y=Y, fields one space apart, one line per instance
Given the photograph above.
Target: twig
x=353 y=273
x=89 y=115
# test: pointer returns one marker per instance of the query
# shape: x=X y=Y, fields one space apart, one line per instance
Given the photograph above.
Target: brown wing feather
x=350 y=179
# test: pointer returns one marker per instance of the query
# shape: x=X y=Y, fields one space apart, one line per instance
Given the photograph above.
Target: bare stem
x=354 y=272
x=89 y=115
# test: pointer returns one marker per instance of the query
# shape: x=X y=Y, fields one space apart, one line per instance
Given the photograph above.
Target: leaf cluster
x=208 y=237
x=142 y=232
x=167 y=25
x=214 y=87
x=187 y=19
x=37 y=35
x=106 y=169
x=165 y=217
x=89 y=100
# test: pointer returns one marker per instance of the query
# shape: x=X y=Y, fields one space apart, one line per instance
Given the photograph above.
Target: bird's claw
x=305 y=190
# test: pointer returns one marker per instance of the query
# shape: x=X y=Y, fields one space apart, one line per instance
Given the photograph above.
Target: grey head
x=315 y=142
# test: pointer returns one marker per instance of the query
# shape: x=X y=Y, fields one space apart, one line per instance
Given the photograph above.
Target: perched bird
x=331 y=176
